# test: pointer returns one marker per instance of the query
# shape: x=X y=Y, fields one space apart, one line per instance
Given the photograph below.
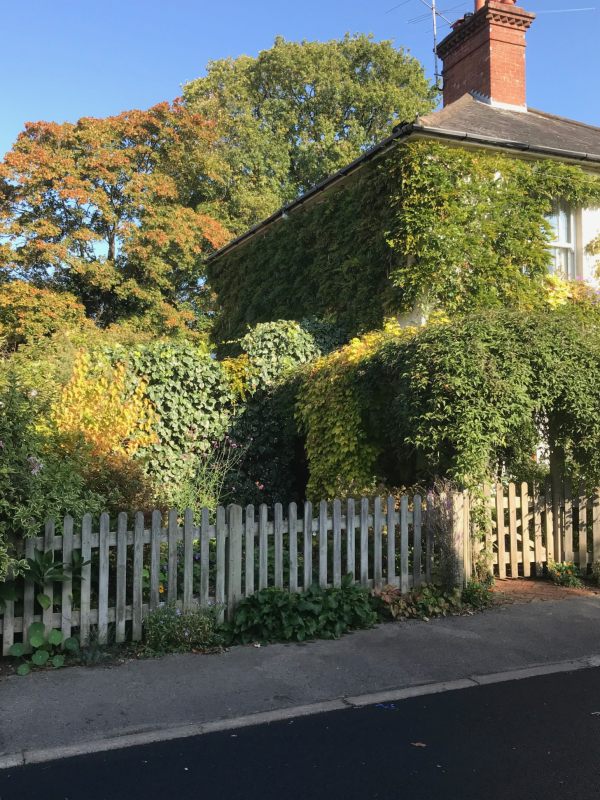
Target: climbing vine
x=427 y=226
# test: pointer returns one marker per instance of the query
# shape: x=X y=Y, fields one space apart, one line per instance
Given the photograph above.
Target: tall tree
x=300 y=111
x=116 y=211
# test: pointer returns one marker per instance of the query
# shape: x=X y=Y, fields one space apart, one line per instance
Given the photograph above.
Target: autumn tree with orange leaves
x=118 y=212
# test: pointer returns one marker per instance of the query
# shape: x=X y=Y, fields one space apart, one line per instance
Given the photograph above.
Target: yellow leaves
x=98 y=405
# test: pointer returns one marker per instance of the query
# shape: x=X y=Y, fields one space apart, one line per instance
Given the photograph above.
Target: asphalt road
x=529 y=739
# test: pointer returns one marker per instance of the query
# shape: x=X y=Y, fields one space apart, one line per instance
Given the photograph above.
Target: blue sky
x=63 y=59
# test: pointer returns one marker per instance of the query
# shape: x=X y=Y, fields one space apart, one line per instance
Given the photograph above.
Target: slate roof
x=531 y=129
x=470 y=121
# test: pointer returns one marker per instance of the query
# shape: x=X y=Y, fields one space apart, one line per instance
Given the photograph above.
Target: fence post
x=459 y=544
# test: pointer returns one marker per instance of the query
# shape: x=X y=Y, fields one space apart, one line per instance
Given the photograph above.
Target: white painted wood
x=391 y=540
x=263 y=546
x=278 y=537
x=538 y=547
x=417 y=546
x=525 y=536
x=221 y=564
x=120 y=617
x=568 y=522
x=67 y=585
x=548 y=520
x=48 y=589
x=204 y=557
x=86 y=579
x=512 y=532
x=234 y=566
x=188 y=559
x=323 y=544
x=250 y=531
x=500 y=531
x=430 y=537
x=103 y=550
x=364 y=541
x=350 y=538
x=293 y=545
x=337 y=543
x=582 y=548
x=155 y=537
x=138 y=566
x=404 y=544
x=308 y=540
x=173 y=534
x=28 y=593
x=377 y=543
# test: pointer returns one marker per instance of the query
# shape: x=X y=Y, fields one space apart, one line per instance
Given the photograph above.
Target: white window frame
x=563 y=249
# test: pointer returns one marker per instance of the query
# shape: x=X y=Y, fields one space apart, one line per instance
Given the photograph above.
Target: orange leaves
x=97 y=405
x=114 y=207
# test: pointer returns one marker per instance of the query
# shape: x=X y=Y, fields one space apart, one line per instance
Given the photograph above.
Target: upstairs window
x=562 y=248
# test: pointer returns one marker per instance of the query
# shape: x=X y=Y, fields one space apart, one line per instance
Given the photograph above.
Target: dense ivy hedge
x=427 y=225
x=468 y=399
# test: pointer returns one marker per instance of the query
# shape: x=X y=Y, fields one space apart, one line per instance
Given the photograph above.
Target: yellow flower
x=161 y=589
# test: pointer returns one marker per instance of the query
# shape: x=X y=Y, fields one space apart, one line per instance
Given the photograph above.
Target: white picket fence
x=126 y=570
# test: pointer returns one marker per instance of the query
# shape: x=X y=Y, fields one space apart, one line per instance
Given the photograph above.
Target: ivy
x=426 y=226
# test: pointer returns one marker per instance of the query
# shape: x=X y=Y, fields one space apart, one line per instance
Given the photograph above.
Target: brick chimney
x=485 y=54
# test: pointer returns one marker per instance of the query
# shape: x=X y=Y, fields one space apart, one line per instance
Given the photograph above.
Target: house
x=484 y=110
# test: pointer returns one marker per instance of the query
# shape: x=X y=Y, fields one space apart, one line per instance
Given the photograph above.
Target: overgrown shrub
x=168 y=629
x=276 y=615
x=431 y=601
x=564 y=573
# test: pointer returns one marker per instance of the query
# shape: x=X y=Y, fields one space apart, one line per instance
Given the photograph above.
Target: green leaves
x=277 y=615
x=43 y=647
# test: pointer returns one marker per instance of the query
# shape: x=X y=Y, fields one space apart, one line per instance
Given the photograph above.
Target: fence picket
x=103 y=561
x=66 y=606
x=155 y=536
x=263 y=546
x=86 y=578
x=350 y=538
x=249 y=552
x=538 y=548
x=391 y=540
x=293 y=545
x=337 y=543
x=204 y=558
x=596 y=527
x=121 y=577
x=404 y=544
x=8 y=630
x=188 y=559
x=278 y=549
x=172 y=533
x=323 y=543
x=364 y=541
x=429 y=534
x=568 y=521
x=582 y=502
x=548 y=521
x=525 y=541
x=234 y=557
x=28 y=594
x=417 y=554
x=138 y=566
x=221 y=565
x=500 y=531
x=48 y=588
x=377 y=543
x=308 y=566
x=512 y=531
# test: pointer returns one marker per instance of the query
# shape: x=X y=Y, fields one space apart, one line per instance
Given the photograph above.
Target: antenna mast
x=436 y=63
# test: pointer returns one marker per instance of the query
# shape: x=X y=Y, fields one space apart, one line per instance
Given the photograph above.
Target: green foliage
x=432 y=601
x=425 y=227
x=596 y=572
x=273 y=615
x=564 y=573
x=38 y=479
x=468 y=399
x=47 y=648
x=193 y=399
x=302 y=110
x=167 y=629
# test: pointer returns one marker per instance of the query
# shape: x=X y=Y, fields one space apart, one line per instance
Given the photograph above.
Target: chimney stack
x=485 y=54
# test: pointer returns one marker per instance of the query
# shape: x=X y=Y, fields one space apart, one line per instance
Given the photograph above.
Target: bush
x=276 y=615
x=168 y=629
x=431 y=601
x=564 y=573
x=596 y=572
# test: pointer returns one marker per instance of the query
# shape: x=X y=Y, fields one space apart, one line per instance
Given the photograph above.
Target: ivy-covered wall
x=428 y=225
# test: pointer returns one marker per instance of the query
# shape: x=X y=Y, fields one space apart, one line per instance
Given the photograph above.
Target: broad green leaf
x=23 y=669
x=58 y=661
x=40 y=657
x=43 y=600
x=55 y=637
x=17 y=650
